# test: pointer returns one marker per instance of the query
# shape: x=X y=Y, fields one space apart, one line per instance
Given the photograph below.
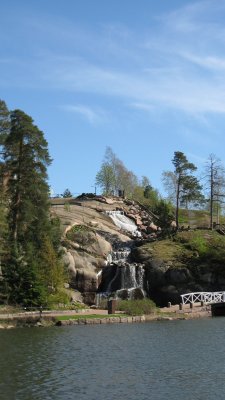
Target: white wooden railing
x=206 y=297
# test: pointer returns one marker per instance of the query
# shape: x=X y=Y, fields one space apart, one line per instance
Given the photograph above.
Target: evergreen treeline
x=32 y=272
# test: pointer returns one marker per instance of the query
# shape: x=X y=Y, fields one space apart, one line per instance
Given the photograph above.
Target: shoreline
x=52 y=318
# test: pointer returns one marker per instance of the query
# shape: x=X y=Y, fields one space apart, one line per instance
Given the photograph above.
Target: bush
x=136 y=307
x=81 y=234
x=58 y=298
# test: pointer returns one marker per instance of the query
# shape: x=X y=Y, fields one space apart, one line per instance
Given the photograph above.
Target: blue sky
x=146 y=78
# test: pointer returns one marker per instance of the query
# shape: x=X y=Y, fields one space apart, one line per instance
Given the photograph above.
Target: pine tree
x=66 y=194
x=188 y=187
x=181 y=184
x=26 y=159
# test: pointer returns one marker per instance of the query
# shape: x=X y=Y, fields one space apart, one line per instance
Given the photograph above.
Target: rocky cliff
x=89 y=236
x=190 y=261
x=108 y=254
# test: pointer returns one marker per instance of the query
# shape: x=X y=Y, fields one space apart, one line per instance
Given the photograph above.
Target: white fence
x=206 y=297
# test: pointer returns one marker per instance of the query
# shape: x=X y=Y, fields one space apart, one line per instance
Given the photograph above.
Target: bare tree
x=215 y=182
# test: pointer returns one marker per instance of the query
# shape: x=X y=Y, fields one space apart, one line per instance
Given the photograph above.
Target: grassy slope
x=190 y=248
x=194 y=218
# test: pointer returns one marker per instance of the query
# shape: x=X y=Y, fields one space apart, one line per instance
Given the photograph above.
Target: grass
x=81 y=234
x=189 y=249
x=166 y=250
x=195 y=218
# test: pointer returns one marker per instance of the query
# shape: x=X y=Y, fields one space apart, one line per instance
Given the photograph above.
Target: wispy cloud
x=209 y=62
x=92 y=116
x=178 y=89
x=177 y=65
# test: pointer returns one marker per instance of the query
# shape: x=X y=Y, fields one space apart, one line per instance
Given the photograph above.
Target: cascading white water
x=133 y=276
x=124 y=222
x=120 y=275
x=129 y=276
x=120 y=255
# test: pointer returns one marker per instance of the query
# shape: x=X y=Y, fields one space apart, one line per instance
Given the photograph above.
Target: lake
x=166 y=360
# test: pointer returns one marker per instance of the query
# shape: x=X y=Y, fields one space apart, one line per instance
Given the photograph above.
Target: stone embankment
x=50 y=318
x=109 y=320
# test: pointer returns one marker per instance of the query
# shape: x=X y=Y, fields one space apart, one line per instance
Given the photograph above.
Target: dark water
x=168 y=360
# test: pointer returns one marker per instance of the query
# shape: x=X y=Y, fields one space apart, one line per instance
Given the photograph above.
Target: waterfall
x=133 y=276
x=123 y=222
x=123 y=279
x=117 y=256
x=120 y=277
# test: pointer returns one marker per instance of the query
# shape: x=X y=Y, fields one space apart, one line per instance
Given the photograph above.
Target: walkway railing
x=206 y=297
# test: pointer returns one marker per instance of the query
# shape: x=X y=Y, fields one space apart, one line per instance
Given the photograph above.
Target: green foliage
x=105 y=178
x=80 y=234
x=209 y=247
x=22 y=283
x=182 y=186
x=113 y=176
x=54 y=300
x=55 y=232
x=199 y=243
x=31 y=268
x=67 y=193
x=26 y=159
x=52 y=276
x=136 y=307
x=165 y=212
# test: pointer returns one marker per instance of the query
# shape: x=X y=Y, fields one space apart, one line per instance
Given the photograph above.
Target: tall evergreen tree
x=184 y=184
x=26 y=159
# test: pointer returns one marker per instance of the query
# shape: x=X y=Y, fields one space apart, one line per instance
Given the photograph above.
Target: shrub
x=81 y=234
x=136 y=307
x=58 y=298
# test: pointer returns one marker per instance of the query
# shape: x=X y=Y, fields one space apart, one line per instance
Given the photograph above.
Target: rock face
x=163 y=269
x=89 y=235
x=84 y=261
x=172 y=270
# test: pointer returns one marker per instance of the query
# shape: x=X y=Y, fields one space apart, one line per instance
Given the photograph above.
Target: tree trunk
x=18 y=195
x=177 y=204
x=211 y=197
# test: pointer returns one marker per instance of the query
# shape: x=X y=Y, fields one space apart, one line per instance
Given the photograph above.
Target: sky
x=145 y=77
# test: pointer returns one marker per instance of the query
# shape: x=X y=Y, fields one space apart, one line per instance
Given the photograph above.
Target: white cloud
x=92 y=116
x=209 y=62
x=175 y=88
x=178 y=65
